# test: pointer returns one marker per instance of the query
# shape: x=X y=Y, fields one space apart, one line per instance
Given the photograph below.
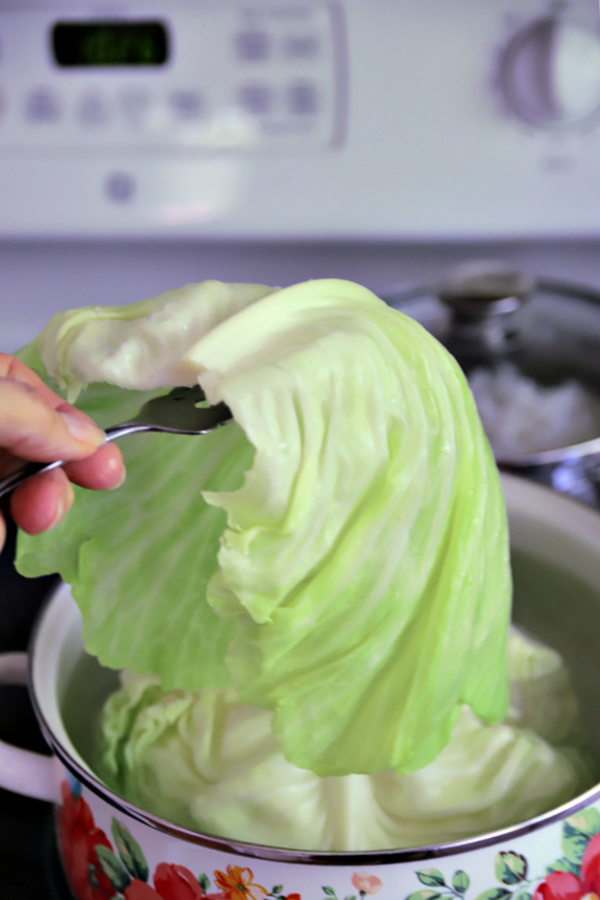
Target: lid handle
x=485 y=299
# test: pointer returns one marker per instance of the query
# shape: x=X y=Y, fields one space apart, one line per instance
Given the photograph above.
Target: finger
x=41 y=502
x=103 y=470
x=32 y=429
x=12 y=369
x=2 y=532
x=8 y=462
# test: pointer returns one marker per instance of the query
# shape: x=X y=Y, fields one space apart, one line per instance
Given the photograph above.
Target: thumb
x=33 y=429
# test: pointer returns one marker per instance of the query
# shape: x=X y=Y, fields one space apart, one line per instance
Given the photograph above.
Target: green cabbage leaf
x=339 y=555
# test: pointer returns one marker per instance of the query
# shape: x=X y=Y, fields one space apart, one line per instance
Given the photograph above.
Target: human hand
x=36 y=424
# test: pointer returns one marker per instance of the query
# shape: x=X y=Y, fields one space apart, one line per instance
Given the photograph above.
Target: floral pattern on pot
x=364 y=884
x=573 y=876
x=100 y=869
x=80 y=840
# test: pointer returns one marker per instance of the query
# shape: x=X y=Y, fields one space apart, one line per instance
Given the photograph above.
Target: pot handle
x=23 y=771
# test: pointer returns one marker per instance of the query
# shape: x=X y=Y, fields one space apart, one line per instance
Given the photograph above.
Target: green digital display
x=107 y=43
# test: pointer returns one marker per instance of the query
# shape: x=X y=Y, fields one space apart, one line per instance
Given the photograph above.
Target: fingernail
x=83 y=429
x=122 y=481
x=60 y=512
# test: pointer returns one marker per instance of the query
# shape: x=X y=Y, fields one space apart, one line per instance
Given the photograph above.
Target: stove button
x=186 y=105
x=120 y=187
x=255 y=98
x=252 y=46
x=136 y=102
x=301 y=46
x=92 y=110
x=302 y=98
x=42 y=106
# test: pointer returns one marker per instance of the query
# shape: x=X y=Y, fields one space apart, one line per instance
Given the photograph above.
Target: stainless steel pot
x=490 y=316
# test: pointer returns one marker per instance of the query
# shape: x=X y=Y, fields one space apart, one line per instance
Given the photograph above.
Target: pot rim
x=573 y=453
x=310 y=857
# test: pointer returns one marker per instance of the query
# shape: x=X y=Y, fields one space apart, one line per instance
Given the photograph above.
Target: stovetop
x=29 y=863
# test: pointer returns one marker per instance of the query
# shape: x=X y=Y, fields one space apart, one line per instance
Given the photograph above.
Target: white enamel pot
x=111 y=849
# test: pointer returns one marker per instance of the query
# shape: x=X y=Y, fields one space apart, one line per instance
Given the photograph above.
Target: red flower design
x=140 y=890
x=566 y=886
x=176 y=883
x=79 y=836
x=171 y=882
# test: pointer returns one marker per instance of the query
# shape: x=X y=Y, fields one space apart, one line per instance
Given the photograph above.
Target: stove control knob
x=550 y=73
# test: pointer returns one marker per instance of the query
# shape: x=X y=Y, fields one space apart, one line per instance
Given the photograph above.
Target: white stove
x=144 y=145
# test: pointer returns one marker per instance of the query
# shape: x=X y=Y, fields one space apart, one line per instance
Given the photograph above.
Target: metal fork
x=177 y=412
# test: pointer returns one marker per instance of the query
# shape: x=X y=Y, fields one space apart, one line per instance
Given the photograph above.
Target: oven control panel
x=416 y=120
x=210 y=76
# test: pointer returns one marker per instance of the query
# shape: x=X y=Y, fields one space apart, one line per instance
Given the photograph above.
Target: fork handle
x=29 y=469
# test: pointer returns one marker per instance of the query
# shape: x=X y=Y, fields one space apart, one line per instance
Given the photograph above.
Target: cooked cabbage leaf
x=355 y=580
x=211 y=763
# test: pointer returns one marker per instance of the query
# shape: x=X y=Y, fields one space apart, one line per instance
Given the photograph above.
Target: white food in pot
x=521 y=417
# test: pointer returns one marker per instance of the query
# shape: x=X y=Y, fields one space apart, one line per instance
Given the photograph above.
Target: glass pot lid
x=530 y=348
